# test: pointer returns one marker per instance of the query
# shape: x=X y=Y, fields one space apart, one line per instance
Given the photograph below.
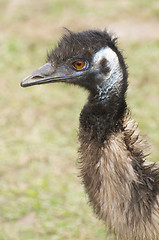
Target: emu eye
x=79 y=65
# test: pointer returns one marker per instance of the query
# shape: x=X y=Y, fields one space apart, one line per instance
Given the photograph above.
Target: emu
x=123 y=187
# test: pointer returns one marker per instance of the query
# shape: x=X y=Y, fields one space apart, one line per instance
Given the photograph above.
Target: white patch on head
x=108 y=54
x=113 y=78
x=111 y=58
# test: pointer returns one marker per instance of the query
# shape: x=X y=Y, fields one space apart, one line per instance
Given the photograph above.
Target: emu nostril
x=37 y=77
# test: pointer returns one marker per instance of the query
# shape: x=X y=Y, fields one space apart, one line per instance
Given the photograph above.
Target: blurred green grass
x=41 y=196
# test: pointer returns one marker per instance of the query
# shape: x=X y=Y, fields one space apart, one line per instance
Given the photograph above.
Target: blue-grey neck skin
x=110 y=81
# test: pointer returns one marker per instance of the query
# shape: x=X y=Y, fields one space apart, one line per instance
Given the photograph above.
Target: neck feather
x=99 y=119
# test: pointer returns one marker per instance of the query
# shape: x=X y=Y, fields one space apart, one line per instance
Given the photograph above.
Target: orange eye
x=79 y=65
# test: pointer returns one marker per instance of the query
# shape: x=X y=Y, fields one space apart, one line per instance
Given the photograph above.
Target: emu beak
x=46 y=74
x=39 y=76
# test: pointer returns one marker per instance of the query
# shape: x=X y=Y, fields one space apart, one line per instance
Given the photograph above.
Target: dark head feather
x=81 y=44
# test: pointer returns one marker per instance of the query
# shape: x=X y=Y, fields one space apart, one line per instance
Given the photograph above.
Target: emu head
x=89 y=59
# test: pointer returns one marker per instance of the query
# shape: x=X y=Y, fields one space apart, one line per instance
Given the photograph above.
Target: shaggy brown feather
x=122 y=187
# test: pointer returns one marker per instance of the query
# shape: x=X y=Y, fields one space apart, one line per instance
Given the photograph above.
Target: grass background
x=41 y=196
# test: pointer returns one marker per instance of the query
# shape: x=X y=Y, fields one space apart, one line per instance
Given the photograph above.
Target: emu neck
x=99 y=119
